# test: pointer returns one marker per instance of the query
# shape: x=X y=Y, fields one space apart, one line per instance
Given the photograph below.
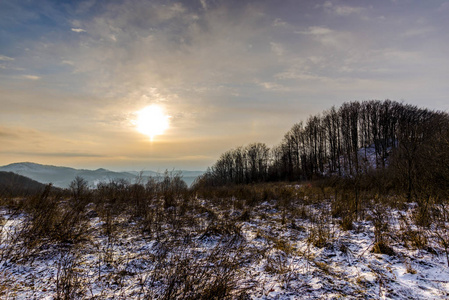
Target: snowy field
x=268 y=251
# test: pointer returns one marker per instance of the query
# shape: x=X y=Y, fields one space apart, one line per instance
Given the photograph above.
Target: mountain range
x=63 y=176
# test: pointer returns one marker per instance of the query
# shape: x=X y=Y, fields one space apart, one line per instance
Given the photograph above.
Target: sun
x=152 y=121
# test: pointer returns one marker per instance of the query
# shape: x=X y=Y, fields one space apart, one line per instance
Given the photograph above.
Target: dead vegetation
x=161 y=240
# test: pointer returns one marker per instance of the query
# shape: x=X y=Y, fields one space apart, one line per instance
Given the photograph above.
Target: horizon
x=160 y=85
x=95 y=169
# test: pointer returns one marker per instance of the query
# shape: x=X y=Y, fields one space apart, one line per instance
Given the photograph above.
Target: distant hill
x=12 y=184
x=62 y=176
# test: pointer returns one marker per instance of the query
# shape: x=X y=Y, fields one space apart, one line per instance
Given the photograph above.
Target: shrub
x=68 y=282
x=347 y=223
x=382 y=248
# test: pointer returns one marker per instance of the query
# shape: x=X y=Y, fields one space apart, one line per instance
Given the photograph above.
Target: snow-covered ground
x=267 y=252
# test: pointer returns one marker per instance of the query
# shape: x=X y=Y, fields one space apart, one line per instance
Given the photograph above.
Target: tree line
x=356 y=139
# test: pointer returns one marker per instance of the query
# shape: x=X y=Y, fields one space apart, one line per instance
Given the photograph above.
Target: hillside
x=62 y=176
x=12 y=184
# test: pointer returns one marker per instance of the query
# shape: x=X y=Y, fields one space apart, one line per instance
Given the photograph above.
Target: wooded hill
x=14 y=185
x=357 y=139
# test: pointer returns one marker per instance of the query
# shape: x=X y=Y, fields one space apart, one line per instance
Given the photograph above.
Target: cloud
x=339 y=40
x=79 y=30
x=396 y=55
x=55 y=154
x=346 y=10
x=31 y=77
x=278 y=22
x=171 y=46
x=15 y=134
x=444 y=6
x=341 y=10
x=6 y=134
x=272 y=86
x=419 y=32
x=317 y=30
x=277 y=48
x=5 y=58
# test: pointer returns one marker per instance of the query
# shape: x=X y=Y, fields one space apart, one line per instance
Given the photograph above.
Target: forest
x=383 y=141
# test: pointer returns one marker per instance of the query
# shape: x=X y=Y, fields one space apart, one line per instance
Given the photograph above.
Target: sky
x=75 y=74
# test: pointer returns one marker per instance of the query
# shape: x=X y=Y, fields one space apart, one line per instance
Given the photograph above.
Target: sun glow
x=152 y=121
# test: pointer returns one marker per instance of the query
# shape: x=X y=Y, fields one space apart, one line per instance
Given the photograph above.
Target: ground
x=266 y=251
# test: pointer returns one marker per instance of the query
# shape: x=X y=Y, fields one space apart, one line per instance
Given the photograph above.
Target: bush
x=68 y=283
x=347 y=223
x=382 y=248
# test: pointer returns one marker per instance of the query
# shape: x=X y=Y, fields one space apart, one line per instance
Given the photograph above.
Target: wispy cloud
x=78 y=30
x=444 y=6
x=15 y=133
x=277 y=48
x=6 y=58
x=278 y=22
x=55 y=154
x=341 y=10
x=340 y=40
x=6 y=134
x=317 y=30
x=204 y=4
x=419 y=32
x=31 y=77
